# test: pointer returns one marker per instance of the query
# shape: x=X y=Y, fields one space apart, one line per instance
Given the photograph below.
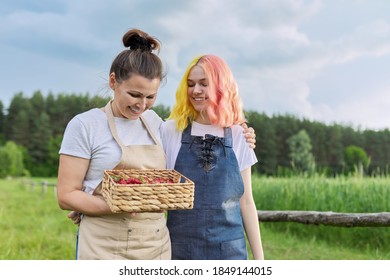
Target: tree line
x=31 y=131
x=286 y=145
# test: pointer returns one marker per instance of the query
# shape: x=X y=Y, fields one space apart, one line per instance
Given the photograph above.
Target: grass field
x=32 y=227
x=31 y=224
x=341 y=194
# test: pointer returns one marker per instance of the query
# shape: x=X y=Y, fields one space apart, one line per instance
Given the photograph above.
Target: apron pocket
x=148 y=244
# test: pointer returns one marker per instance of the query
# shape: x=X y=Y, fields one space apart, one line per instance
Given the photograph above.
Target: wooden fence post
x=44 y=186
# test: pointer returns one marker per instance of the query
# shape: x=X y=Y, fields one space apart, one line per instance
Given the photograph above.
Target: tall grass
x=31 y=224
x=341 y=194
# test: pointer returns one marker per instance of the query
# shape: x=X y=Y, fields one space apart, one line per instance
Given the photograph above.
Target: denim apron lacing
x=213 y=229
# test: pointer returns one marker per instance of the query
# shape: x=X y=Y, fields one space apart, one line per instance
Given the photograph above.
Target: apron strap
x=186 y=134
x=111 y=123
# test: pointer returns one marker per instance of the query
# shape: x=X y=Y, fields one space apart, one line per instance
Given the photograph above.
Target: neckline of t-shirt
x=119 y=119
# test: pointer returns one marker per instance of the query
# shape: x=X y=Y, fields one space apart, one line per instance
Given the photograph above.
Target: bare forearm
x=249 y=215
x=252 y=230
x=84 y=203
x=71 y=173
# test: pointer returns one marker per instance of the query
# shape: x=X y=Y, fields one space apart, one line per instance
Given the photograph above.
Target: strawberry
x=133 y=180
x=141 y=180
x=160 y=180
x=122 y=181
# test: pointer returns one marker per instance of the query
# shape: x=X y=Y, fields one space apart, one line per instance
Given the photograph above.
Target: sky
x=326 y=61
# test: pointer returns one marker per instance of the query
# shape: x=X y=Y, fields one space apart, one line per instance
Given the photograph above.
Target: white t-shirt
x=88 y=136
x=171 y=139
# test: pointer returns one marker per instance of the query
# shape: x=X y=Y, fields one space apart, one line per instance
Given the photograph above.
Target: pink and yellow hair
x=225 y=107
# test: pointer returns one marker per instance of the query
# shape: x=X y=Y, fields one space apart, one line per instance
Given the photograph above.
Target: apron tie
x=206 y=145
x=211 y=140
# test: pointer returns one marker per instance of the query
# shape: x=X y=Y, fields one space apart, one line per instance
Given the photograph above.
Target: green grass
x=32 y=227
x=342 y=194
x=286 y=246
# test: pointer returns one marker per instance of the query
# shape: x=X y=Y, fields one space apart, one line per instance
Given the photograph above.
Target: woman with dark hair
x=123 y=134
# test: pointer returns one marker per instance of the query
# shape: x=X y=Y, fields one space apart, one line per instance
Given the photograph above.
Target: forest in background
x=31 y=131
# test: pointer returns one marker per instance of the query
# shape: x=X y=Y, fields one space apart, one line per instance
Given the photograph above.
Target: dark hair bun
x=138 y=39
x=138 y=42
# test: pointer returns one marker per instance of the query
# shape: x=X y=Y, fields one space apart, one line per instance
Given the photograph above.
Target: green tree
x=15 y=153
x=334 y=149
x=20 y=131
x=162 y=111
x=17 y=126
x=4 y=162
x=52 y=155
x=285 y=126
x=37 y=102
x=266 y=142
x=378 y=149
x=356 y=159
x=39 y=144
x=11 y=160
x=300 y=152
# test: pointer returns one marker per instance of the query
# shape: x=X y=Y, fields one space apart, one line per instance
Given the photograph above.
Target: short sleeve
x=246 y=156
x=75 y=141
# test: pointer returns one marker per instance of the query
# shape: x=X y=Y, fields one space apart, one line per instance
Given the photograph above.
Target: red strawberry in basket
x=132 y=180
x=122 y=181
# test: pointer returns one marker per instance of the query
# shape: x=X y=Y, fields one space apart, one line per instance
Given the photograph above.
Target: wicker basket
x=147 y=197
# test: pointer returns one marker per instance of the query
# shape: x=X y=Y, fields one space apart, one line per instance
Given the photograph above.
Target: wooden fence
x=44 y=185
x=381 y=219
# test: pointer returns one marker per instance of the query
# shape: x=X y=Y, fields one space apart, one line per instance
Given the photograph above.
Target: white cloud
x=371 y=39
x=284 y=86
x=280 y=50
x=372 y=110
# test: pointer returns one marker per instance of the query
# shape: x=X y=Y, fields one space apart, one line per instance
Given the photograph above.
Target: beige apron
x=120 y=236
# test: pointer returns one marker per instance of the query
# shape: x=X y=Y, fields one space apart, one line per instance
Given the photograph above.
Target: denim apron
x=121 y=236
x=213 y=229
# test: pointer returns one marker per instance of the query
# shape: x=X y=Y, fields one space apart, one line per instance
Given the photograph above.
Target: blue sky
x=327 y=60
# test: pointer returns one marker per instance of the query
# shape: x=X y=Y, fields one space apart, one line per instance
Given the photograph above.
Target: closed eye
x=202 y=82
x=140 y=95
x=135 y=95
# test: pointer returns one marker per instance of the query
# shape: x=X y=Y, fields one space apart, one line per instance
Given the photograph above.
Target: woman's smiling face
x=198 y=90
x=133 y=96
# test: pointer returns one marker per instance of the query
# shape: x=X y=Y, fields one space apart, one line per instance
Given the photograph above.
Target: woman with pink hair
x=204 y=141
